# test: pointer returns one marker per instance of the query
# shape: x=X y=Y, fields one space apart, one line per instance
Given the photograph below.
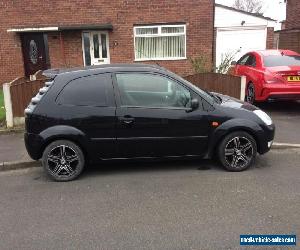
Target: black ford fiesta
x=137 y=111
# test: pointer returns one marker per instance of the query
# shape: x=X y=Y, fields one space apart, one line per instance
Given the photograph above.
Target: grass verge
x=2 y=110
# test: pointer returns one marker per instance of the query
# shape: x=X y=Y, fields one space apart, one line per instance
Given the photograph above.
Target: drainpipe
x=62 y=48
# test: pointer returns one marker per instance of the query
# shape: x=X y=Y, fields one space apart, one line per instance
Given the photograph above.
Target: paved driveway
x=151 y=205
x=286 y=116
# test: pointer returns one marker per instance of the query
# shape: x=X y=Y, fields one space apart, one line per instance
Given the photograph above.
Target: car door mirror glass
x=233 y=63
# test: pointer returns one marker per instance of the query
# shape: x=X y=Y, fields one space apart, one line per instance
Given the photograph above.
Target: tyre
x=63 y=160
x=250 y=94
x=237 y=151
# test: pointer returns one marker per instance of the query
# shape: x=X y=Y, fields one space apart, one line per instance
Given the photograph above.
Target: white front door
x=95 y=48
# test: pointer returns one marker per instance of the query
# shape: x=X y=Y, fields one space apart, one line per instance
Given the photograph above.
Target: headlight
x=263 y=116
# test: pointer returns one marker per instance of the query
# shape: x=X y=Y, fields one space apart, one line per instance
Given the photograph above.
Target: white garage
x=238 y=32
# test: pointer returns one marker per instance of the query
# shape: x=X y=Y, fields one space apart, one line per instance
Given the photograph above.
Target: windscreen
x=282 y=60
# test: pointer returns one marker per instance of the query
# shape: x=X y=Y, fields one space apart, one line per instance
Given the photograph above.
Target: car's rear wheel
x=250 y=94
x=237 y=151
x=63 y=160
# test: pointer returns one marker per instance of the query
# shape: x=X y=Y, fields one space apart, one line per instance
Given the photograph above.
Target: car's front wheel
x=63 y=160
x=237 y=151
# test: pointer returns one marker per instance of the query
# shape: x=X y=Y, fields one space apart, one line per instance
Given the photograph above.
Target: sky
x=275 y=9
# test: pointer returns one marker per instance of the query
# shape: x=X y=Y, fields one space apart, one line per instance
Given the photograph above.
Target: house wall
x=122 y=14
x=270 y=38
x=292 y=14
x=290 y=38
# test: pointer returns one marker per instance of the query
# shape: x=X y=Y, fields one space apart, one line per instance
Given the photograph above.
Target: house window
x=162 y=42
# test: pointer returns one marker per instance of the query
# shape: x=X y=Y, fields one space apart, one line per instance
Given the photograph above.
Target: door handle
x=127 y=119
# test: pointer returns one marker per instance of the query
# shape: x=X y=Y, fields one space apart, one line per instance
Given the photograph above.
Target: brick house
x=289 y=38
x=59 y=33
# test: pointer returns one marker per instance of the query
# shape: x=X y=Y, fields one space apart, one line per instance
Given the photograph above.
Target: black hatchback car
x=135 y=111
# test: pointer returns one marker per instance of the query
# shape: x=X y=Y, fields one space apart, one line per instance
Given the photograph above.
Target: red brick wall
x=292 y=14
x=122 y=14
x=65 y=51
x=289 y=40
x=270 y=38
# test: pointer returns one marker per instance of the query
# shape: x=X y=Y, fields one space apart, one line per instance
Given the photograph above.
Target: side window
x=243 y=60
x=149 y=90
x=251 y=61
x=86 y=91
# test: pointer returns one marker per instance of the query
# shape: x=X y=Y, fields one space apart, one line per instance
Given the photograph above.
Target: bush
x=225 y=64
x=200 y=64
x=2 y=110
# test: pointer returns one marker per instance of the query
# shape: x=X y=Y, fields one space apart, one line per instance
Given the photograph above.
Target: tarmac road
x=156 y=205
x=286 y=116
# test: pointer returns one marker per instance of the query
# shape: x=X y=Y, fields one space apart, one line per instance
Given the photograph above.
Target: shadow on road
x=131 y=167
x=280 y=106
x=125 y=167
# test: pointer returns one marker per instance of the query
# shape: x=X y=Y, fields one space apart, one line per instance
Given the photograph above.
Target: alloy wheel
x=63 y=161
x=238 y=152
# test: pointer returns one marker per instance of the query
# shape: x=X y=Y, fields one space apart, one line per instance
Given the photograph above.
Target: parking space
x=286 y=116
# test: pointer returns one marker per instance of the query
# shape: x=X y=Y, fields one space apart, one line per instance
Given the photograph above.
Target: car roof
x=51 y=73
x=275 y=52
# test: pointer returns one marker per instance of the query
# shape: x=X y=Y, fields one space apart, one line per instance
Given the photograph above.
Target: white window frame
x=160 y=34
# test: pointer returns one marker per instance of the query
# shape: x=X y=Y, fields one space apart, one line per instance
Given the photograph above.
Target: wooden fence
x=21 y=94
x=17 y=95
x=220 y=83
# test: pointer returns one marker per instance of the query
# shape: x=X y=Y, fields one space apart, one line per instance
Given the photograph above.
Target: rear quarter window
x=86 y=91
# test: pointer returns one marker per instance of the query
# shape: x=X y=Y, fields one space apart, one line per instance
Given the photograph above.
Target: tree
x=253 y=6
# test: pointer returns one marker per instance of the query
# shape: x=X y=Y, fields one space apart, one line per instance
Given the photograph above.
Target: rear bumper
x=279 y=92
x=33 y=144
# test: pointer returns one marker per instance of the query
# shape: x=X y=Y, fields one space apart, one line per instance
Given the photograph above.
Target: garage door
x=239 y=41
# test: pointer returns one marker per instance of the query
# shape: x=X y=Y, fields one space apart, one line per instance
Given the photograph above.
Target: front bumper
x=265 y=139
x=279 y=91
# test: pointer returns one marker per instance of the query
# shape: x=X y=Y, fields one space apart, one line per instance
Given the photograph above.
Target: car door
x=240 y=67
x=251 y=70
x=87 y=103
x=154 y=119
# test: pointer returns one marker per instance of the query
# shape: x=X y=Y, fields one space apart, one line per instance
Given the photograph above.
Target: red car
x=270 y=75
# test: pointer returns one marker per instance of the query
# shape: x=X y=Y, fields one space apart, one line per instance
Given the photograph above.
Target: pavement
x=12 y=147
x=154 y=205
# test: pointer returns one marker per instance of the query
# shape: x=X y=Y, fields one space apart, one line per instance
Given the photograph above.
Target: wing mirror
x=233 y=63
x=194 y=105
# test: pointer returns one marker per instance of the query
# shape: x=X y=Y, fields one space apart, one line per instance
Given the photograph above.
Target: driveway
x=153 y=205
x=286 y=116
